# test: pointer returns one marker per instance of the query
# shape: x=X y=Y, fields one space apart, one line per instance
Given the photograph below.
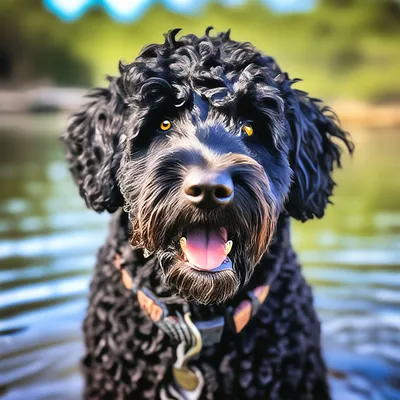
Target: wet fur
x=207 y=86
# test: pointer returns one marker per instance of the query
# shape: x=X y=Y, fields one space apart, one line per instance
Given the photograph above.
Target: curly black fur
x=208 y=87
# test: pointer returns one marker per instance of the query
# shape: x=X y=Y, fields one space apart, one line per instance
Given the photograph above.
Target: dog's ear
x=315 y=150
x=93 y=147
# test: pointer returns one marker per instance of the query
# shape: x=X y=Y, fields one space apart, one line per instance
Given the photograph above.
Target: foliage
x=342 y=49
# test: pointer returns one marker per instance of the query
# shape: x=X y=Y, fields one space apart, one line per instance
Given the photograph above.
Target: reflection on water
x=48 y=242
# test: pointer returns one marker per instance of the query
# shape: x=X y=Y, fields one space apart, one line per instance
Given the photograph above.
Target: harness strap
x=190 y=336
x=211 y=330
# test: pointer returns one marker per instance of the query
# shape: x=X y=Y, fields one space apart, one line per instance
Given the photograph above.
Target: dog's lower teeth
x=228 y=246
x=146 y=253
x=183 y=244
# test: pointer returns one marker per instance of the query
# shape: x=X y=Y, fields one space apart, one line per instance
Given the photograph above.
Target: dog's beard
x=199 y=286
x=159 y=215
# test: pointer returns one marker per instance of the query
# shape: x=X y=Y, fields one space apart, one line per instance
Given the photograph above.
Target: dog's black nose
x=208 y=189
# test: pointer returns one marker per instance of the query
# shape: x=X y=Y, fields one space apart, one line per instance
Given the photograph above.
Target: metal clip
x=184 y=376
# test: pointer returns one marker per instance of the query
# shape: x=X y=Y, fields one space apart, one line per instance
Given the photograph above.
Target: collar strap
x=211 y=330
x=190 y=336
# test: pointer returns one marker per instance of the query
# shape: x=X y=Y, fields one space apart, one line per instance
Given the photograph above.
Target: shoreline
x=63 y=101
x=369 y=115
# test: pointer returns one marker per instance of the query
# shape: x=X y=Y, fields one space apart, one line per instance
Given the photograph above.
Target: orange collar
x=190 y=336
x=157 y=310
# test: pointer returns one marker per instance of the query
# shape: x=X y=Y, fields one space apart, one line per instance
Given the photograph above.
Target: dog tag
x=185 y=378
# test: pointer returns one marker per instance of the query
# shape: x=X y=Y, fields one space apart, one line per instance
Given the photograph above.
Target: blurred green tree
x=343 y=48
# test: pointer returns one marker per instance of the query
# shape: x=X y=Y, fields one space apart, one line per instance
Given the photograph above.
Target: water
x=48 y=242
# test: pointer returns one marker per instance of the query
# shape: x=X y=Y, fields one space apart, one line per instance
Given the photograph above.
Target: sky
x=130 y=10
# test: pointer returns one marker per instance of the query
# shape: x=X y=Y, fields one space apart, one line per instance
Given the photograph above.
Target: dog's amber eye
x=165 y=125
x=247 y=129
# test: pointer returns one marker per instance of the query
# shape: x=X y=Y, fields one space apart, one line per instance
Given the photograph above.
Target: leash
x=190 y=336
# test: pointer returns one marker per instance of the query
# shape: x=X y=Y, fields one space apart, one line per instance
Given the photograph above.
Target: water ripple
x=48 y=243
x=54 y=244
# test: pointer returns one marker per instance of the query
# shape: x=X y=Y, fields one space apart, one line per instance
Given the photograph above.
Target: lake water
x=48 y=241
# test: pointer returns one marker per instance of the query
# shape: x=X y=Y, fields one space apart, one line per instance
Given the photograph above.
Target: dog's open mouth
x=206 y=249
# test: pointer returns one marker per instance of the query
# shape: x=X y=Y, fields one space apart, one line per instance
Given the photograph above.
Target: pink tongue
x=205 y=248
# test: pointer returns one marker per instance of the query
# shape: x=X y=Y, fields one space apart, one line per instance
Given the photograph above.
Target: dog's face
x=204 y=144
x=203 y=177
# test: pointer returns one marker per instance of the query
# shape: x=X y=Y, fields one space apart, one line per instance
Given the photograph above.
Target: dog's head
x=204 y=143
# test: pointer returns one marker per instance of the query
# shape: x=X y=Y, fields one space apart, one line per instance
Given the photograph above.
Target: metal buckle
x=211 y=331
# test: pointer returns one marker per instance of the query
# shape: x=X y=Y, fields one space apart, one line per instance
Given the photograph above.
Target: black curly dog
x=203 y=151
